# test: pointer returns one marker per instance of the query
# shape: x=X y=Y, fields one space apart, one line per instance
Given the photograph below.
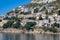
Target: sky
x=8 y=5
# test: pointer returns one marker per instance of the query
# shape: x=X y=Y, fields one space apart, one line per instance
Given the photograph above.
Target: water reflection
x=46 y=37
x=11 y=37
x=56 y=37
x=18 y=37
x=29 y=37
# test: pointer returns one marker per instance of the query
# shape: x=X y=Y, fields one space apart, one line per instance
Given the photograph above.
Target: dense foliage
x=29 y=25
x=44 y=28
x=32 y=18
x=59 y=12
x=9 y=12
x=12 y=18
x=0 y=20
x=52 y=29
x=40 y=18
x=17 y=25
x=8 y=24
x=36 y=10
x=25 y=13
x=11 y=22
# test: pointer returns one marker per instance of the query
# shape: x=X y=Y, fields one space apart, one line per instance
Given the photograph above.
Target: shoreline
x=26 y=32
x=29 y=33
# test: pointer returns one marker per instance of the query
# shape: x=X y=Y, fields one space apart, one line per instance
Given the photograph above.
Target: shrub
x=17 y=25
x=46 y=17
x=36 y=10
x=27 y=13
x=44 y=28
x=14 y=18
x=6 y=18
x=9 y=12
x=40 y=18
x=0 y=20
x=52 y=29
x=46 y=12
x=32 y=18
x=8 y=24
x=59 y=12
x=56 y=25
x=29 y=25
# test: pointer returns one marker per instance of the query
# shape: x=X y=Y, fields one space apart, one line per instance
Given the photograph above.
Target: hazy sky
x=8 y=5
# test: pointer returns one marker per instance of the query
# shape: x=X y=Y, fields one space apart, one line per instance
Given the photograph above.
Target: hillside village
x=43 y=13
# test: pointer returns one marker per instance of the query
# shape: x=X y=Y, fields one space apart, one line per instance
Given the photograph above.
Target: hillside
x=44 y=15
x=33 y=5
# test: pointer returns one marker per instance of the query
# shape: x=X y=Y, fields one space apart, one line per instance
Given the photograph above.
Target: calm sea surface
x=4 y=36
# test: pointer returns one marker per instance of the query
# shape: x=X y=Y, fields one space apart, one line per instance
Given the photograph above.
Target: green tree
x=17 y=11
x=17 y=25
x=9 y=12
x=6 y=18
x=53 y=29
x=29 y=12
x=32 y=18
x=15 y=18
x=46 y=17
x=46 y=12
x=40 y=18
x=59 y=12
x=0 y=20
x=8 y=24
x=36 y=10
x=21 y=12
x=58 y=0
x=29 y=25
x=44 y=28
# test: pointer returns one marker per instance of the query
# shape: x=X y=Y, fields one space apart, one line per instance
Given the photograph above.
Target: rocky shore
x=11 y=30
